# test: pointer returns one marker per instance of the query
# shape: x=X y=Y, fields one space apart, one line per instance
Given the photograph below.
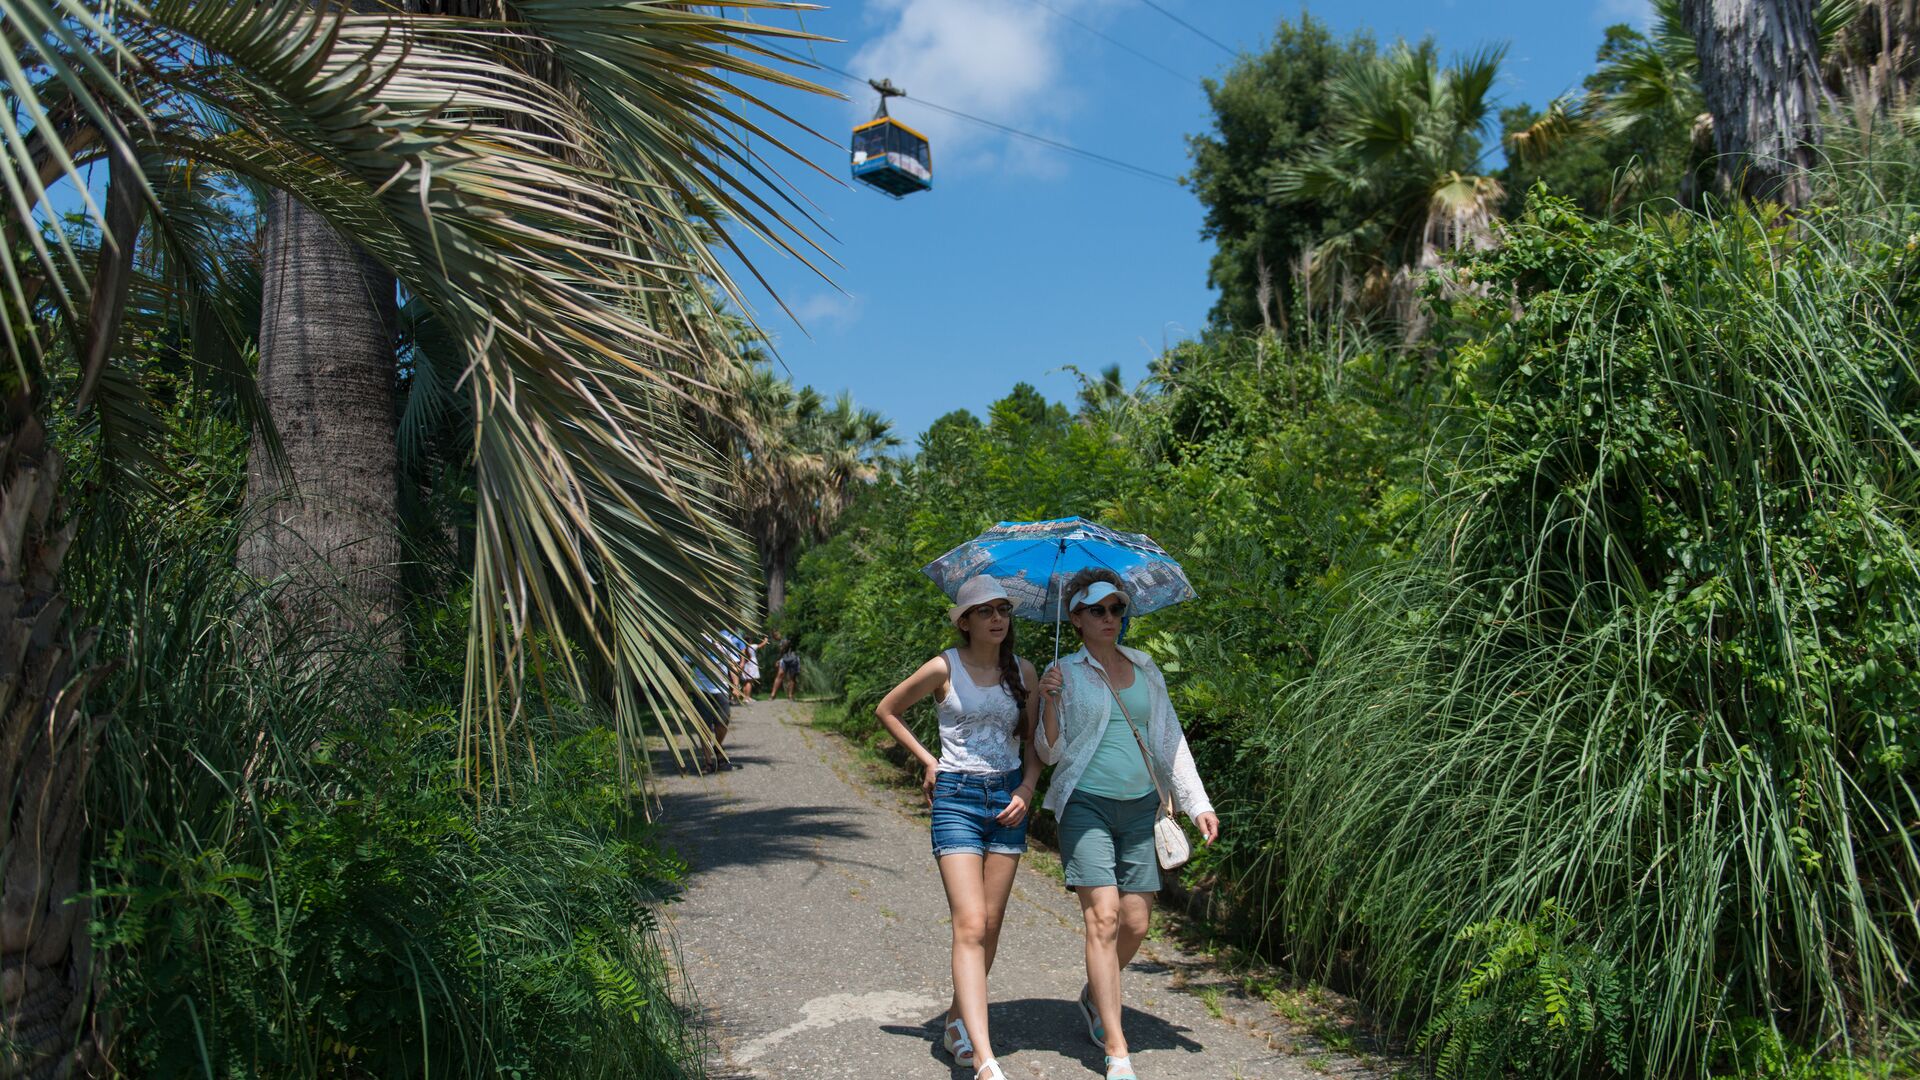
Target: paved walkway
x=814 y=933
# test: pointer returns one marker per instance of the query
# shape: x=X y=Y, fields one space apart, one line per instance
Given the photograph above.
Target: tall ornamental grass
x=1618 y=773
x=291 y=877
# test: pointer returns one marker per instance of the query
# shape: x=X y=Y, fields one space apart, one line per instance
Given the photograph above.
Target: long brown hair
x=1009 y=673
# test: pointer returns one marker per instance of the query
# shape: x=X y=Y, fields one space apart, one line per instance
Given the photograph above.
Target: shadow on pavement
x=1051 y=1024
x=712 y=831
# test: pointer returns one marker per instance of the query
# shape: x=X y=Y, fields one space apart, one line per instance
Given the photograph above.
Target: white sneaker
x=958 y=1044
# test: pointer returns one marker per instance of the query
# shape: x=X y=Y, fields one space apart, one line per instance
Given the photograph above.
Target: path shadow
x=1051 y=1025
x=711 y=830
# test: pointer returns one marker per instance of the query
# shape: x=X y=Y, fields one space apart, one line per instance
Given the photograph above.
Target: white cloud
x=829 y=309
x=1001 y=60
x=1637 y=13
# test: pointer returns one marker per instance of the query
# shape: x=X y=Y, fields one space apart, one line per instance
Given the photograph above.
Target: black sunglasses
x=1100 y=611
x=1003 y=610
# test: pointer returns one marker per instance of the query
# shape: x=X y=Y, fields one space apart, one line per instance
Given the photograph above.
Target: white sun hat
x=1097 y=592
x=975 y=591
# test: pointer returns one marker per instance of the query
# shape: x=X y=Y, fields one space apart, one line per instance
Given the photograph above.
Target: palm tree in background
x=540 y=178
x=1404 y=147
x=801 y=459
x=1650 y=94
x=1103 y=394
x=1646 y=95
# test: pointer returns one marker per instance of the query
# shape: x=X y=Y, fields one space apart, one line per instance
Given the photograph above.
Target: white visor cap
x=975 y=591
x=1095 y=593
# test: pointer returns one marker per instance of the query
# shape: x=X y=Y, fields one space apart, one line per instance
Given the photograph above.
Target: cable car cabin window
x=892 y=157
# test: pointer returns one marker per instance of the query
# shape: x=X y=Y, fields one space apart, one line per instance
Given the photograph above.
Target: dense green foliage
x=292 y=880
x=1268 y=108
x=1645 y=88
x=1652 y=669
x=1554 y=670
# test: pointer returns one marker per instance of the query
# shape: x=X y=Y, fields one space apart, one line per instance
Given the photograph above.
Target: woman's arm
x=1189 y=794
x=911 y=691
x=1029 y=757
x=1029 y=762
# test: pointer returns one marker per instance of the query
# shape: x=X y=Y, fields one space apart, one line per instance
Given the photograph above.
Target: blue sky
x=1022 y=260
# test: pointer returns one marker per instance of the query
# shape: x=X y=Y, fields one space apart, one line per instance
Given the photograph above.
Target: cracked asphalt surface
x=814 y=935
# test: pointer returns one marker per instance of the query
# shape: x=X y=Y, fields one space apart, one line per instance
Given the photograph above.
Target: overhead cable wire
x=1117 y=43
x=1099 y=159
x=1224 y=47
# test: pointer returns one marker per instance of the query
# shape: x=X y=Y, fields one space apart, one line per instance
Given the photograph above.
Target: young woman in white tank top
x=979 y=787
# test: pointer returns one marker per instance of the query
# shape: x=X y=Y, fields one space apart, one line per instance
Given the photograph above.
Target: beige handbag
x=1169 y=839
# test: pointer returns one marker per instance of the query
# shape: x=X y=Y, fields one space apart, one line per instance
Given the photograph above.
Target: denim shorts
x=964 y=806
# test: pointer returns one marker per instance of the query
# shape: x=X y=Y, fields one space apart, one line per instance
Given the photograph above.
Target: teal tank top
x=1116 y=770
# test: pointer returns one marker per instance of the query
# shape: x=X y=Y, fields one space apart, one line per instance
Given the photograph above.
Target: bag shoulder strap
x=1166 y=801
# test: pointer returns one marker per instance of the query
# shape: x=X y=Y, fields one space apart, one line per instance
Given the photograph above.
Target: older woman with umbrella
x=1106 y=720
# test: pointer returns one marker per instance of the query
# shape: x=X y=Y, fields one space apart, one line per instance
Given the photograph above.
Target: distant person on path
x=787 y=672
x=713 y=702
x=750 y=667
x=980 y=788
x=1107 y=720
x=733 y=648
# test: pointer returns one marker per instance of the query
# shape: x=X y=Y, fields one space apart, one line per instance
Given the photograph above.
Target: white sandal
x=1121 y=1068
x=1096 y=1031
x=990 y=1071
x=958 y=1044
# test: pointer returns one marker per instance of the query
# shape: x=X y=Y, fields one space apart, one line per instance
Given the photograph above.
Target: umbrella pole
x=1059 y=600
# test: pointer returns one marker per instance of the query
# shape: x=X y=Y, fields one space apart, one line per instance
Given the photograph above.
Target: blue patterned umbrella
x=1033 y=561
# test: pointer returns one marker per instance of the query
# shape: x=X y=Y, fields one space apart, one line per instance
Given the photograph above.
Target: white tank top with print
x=978 y=724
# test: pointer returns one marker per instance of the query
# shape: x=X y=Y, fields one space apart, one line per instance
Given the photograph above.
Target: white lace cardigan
x=1085 y=709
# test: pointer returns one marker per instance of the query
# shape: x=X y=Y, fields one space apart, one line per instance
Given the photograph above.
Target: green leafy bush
x=1272 y=471
x=1655 y=658
x=299 y=884
x=1533 y=1000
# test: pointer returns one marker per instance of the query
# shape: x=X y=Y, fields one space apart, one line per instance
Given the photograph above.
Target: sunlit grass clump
x=298 y=882
x=1618 y=773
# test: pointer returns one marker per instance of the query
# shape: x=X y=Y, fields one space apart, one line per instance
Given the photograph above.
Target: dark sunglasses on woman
x=1101 y=611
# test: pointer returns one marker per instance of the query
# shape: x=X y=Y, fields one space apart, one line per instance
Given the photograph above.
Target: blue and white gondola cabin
x=892 y=157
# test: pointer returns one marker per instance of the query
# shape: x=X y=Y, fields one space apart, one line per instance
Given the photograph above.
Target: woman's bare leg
x=965 y=880
x=1136 y=918
x=1100 y=907
x=997 y=875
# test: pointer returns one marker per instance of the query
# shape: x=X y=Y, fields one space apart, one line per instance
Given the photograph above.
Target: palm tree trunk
x=327 y=374
x=47 y=747
x=1760 y=75
x=773 y=567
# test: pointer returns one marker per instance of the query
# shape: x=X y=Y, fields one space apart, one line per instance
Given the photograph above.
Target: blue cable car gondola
x=887 y=154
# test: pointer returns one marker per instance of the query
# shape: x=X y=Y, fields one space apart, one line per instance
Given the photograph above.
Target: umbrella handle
x=1059 y=599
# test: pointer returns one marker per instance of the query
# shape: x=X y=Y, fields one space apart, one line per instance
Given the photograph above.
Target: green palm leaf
x=542 y=182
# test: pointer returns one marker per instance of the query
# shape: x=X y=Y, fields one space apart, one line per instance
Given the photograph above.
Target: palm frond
x=1652 y=85
x=1830 y=18
x=538 y=180
x=1469 y=85
x=1565 y=121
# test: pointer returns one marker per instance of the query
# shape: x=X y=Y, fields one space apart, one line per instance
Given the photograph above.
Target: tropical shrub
x=1532 y=996
x=299 y=883
x=1272 y=471
x=1654 y=660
